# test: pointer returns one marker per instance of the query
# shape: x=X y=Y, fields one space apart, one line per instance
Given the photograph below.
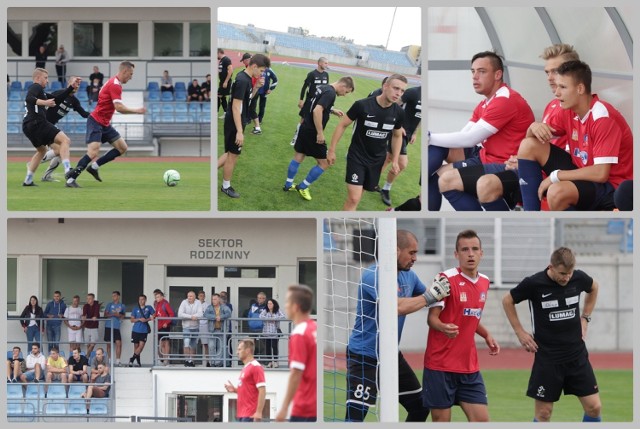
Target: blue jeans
x=33 y=335
x=53 y=336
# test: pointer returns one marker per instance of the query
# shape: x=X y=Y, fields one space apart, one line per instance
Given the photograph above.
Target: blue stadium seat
x=55 y=407
x=14 y=391
x=14 y=118
x=16 y=85
x=14 y=406
x=77 y=406
x=79 y=129
x=204 y=117
x=154 y=107
x=166 y=96
x=99 y=406
x=75 y=390
x=57 y=391
x=27 y=84
x=180 y=95
x=185 y=117
x=167 y=108
x=206 y=107
x=15 y=96
x=194 y=107
x=55 y=85
x=167 y=118
x=181 y=108
x=34 y=390
x=15 y=107
x=82 y=95
x=180 y=86
x=13 y=129
x=153 y=86
x=155 y=117
x=153 y=96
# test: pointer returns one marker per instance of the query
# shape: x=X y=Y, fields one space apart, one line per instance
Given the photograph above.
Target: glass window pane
x=14 y=39
x=308 y=275
x=200 y=40
x=191 y=271
x=43 y=33
x=125 y=276
x=167 y=39
x=455 y=33
x=123 y=39
x=87 y=39
x=69 y=276
x=12 y=283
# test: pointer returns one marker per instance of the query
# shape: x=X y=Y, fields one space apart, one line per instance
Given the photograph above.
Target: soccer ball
x=171 y=177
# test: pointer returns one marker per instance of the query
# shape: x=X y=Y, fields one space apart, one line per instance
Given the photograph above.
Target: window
x=43 y=33
x=14 y=39
x=126 y=276
x=250 y=272
x=308 y=275
x=123 y=40
x=199 y=40
x=191 y=271
x=167 y=39
x=69 y=276
x=87 y=39
x=12 y=282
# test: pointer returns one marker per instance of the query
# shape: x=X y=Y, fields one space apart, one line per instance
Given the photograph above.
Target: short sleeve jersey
x=114 y=308
x=552 y=109
x=364 y=336
x=241 y=90
x=110 y=94
x=223 y=68
x=35 y=113
x=325 y=96
x=251 y=378
x=463 y=307
x=373 y=129
x=302 y=356
x=313 y=80
x=69 y=103
x=601 y=137
x=411 y=103
x=508 y=116
x=555 y=312
x=141 y=313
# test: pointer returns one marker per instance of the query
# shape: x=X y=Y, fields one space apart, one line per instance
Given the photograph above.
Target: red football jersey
x=508 y=116
x=303 y=356
x=553 y=108
x=251 y=378
x=463 y=307
x=601 y=137
x=110 y=93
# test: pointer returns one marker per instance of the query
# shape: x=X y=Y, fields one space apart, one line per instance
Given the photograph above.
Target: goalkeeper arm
x=438 y=290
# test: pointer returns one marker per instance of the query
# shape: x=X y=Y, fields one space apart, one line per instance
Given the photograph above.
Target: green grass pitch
x=125 y=186
x=262 y=168
x=507 y=400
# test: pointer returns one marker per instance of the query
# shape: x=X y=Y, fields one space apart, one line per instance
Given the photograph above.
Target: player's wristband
x=554 y=176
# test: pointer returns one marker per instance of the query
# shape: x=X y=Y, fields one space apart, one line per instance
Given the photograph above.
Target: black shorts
x=163 y=332
x=224 y=91
x=137 y=337
x=365 y=175
x=116 y=334
x=442 y=389
x=509 y=179
x=230 y=132
x=40 y=133
x=403 y=148
x=591 y=195
x=307 y=143
x=362 y=380
x=549 y=379
x=305 y=107
x=407 y=379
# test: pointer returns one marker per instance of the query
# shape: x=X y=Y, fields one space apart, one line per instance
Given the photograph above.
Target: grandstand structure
x=157 y=39
x=253 y=39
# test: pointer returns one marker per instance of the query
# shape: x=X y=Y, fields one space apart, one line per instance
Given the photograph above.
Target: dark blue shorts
x=443 y=390
x=100 y=133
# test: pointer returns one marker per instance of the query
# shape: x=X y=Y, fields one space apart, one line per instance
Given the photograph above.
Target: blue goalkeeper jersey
x=364 y=335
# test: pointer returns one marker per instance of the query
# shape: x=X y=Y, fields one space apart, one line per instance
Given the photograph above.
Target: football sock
x=586 y=418
x=226 y=184
x=499 y=205
x=530 y=177
x=461 y=201
x=292 y=171
x=436 y=156
x=65 y=162
x=48 y=156
x=29 y=178
x=313 y=175
x=434 y=201
x=387 y=186
x=416 y=412
x=108 y=157
x=411 y=205
x=82 y=164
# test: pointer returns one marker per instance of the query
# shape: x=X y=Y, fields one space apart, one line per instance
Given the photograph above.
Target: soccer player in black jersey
x=225 y=71
x=378 y=121
x=38 y=130
x=310 y=139
x=411 y=103
x=55 y=114
x=237 y=117
x=561 y=359
x=316 y=77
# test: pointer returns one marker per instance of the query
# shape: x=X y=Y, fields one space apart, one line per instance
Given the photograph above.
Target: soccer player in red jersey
x=99 y=129
x=600 y=148
x=251 y=388
x=302 y=386
x=451 y=373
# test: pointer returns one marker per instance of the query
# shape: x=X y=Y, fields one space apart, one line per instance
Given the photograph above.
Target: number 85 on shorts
x=361 y=380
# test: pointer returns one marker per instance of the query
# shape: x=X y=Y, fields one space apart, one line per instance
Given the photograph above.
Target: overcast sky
x=365 y=25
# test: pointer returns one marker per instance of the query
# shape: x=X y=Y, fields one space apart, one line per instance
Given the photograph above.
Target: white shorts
x=91 y=335
x=75 y=336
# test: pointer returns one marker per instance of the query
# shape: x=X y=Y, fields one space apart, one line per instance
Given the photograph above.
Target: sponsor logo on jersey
x=370 y=124
x=483 y=297
x=387 y=126
x=472 y=312
x=572 y=300
x=463 y=297
x=556 y=316
x=462 y=283
x=574 y=135
x=371 y=116
x=375 y=134
x=354 y=177
x=550 y=304
x=583 y=155
x=585 y=140
x=544 y=295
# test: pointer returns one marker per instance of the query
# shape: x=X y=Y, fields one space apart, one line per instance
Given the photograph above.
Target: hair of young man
x=404 y=237
x=321 y=60
x=37 y=72
x=579 y=71
x=16 y=347
x=563 y=50
x=76 y=348
x=117 y=292
x=76 y=296
x=91 y=294
x=35 y=344
x=158 y=292
x=220 y=51
x=467 y=233
x=563 y=256
x=348 y=82
x=126 y=65
x=142 y=296
x=396 y=76
x=303 y=296
x=494 y=58
x=260 y=60
x=248 y=344
x=55 y=349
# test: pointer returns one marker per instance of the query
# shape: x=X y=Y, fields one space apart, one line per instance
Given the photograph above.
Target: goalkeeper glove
x=438 y=290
